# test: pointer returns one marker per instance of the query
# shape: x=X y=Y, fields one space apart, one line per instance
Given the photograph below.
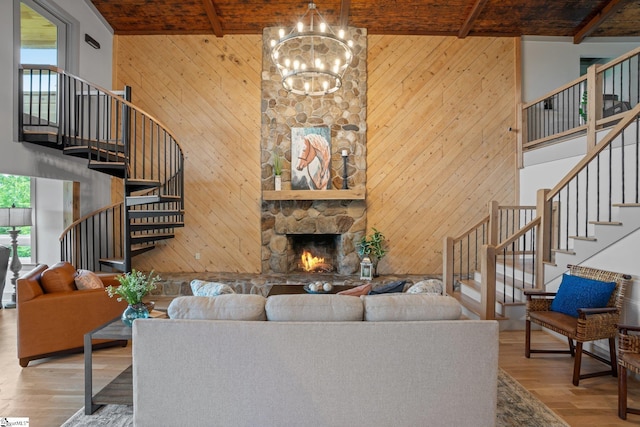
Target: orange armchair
x=52 y=319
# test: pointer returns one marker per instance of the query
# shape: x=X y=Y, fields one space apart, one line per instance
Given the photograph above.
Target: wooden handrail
x=604 y=143
x=555 y=92
x=87 y=216
x=518 y=234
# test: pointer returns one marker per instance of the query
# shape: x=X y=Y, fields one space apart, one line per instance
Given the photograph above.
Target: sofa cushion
x=357 y=291
x=200 y=288
x=313 y=308
x=86 y=279
x=59 y=278
x=393 y=287
x=579 y=292
x=410 y=307
x=430 y=286
x=222 y=307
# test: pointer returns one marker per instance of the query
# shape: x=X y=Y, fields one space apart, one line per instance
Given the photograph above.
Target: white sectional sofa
x=315 y=360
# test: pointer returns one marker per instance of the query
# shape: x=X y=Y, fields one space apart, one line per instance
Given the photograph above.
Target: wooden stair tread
x=626 y=205
x=147 y=213
x=605 y=222
x=141 y=226
x=142 y=184
x=584 y=238
x=472 y=305
x=150 y=199
x=500 y=297
x=151 y=237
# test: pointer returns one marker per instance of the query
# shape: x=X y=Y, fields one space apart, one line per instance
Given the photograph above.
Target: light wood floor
x=51 y=390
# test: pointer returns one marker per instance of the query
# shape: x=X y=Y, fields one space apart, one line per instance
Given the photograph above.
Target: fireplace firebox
x=312 y=253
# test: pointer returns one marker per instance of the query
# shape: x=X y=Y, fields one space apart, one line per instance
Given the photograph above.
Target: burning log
x=314 y=264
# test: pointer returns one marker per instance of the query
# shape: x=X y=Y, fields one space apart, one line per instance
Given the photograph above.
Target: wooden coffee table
x=299 y=289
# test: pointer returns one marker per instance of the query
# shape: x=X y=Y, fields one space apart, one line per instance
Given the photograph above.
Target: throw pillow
x=58 y=278
x=431 y=286
x=200 y=288
x=390 y=288
x=357 y=291
x=578 y=292
x=86 y=279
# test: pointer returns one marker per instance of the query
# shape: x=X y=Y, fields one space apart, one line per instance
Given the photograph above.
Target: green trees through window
x=16 y=190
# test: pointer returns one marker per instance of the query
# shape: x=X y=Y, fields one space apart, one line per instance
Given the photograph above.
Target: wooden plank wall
x=439 y=148
x=207 y=92
x=438 y=145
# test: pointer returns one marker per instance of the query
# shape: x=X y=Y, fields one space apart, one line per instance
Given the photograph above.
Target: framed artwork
x=311 y=158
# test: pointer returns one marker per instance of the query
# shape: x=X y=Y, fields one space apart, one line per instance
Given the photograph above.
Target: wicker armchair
x=591 y=324
x=628 y=358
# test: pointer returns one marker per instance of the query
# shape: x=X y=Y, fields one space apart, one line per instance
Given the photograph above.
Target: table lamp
x=14 y=217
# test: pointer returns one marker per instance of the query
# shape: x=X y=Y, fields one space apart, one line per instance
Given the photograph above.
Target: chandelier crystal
x=311 y=58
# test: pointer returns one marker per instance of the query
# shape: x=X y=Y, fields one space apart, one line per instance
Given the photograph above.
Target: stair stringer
x=606 y=235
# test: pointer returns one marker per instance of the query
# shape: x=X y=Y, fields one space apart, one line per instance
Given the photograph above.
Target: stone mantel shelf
x=350 y=194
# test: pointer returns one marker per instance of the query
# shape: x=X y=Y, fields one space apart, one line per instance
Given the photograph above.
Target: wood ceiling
x=507 y=18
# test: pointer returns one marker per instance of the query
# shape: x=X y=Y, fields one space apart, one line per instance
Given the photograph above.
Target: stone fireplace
x=288 y=213
x=344 y=221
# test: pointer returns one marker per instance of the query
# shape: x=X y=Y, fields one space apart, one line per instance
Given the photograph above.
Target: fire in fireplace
x=312 y=263
x=313 y=253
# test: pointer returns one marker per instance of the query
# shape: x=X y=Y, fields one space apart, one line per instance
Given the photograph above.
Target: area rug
x=516 y=407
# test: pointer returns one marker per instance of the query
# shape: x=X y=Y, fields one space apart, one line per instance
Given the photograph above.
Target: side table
x=120 y=390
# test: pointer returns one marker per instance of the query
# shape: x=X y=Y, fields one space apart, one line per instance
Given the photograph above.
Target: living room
x=429 y=172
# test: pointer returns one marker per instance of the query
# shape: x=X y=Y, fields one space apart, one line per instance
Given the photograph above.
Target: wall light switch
x=197 y=255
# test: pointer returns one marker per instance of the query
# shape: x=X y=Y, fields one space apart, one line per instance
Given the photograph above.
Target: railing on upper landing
x=584 y=105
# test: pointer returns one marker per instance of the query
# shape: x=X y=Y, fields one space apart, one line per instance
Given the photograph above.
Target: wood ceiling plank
x=462 y=18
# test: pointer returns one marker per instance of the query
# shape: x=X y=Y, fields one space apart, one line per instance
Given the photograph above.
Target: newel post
x=594 y=104
x=543 y=243
x=488 y=290
x=494 y=220
x=447 y=265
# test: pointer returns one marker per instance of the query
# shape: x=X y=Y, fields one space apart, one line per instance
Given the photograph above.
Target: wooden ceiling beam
x=471 y=18
x=585 y=29
x=345 y=9
x=216 y=26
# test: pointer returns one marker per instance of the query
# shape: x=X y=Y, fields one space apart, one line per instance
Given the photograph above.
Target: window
x=42 y=36
x=16 y=190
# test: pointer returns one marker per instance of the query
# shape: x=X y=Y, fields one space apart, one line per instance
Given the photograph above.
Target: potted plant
x=277 y=171
x=373 y=247
x=582 y=110
x=133 y=287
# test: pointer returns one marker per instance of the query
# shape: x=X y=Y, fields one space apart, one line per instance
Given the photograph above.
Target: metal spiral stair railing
x=63 y=111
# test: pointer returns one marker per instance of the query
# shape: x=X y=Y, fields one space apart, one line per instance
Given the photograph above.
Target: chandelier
x=311 y=59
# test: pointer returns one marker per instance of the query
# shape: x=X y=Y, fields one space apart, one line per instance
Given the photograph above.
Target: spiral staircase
x=64 y=112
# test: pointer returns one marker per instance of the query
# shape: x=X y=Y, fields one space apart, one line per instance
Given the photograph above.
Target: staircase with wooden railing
x=62 y=111
x=595 y=205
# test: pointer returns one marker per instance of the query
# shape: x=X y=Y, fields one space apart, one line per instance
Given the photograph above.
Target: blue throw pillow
x=390 y=288
x=578 y=292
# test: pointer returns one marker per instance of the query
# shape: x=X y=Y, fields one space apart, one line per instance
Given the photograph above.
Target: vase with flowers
x=133 y=287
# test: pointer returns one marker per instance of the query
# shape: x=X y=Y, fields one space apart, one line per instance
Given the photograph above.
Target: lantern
x=366 y=269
